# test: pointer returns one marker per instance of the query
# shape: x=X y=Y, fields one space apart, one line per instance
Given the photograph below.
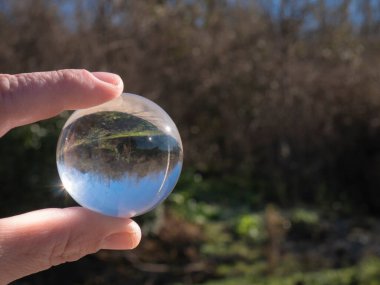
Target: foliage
x=348 y=276
x=280 y=101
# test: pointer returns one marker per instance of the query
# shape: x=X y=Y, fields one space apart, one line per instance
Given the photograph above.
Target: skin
x=38 y=240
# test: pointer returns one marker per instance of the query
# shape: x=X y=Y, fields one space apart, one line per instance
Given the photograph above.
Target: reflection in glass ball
x=121 y=158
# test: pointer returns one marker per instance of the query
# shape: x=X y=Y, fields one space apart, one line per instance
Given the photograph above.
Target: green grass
x=366 y=273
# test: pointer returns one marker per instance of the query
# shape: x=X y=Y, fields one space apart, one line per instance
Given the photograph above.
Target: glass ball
x=121 y=158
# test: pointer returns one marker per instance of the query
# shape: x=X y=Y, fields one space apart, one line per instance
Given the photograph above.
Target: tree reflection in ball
x=121 y=158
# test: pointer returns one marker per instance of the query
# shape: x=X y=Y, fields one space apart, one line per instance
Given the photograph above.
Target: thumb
x=37 y=240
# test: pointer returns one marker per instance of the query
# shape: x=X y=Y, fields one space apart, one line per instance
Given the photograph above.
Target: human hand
x=37 y=240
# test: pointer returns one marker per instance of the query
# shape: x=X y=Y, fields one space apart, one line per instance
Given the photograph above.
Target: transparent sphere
x=121 y=158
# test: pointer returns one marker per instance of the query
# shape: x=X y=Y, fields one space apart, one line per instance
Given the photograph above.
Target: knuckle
x=66 y=75
x=84 y=73
x=71 y=248
x=5 y=89
x=71 y=79
x=73 y=75
x=8 y=83
x=5 y=82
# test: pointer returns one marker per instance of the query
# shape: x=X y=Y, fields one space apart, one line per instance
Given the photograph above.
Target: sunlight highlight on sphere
x=121 y=158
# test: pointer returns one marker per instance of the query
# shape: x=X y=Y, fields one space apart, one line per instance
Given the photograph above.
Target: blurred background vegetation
x=278 y=105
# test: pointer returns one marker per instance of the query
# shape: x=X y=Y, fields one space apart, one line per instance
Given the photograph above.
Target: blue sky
x=122 y=197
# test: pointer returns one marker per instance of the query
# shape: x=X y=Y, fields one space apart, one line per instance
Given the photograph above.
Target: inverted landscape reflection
x=120 y=163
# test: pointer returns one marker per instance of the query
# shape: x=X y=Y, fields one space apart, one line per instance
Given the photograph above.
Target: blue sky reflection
x=128 y=196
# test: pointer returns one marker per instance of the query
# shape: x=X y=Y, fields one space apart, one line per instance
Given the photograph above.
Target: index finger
x=29 y=97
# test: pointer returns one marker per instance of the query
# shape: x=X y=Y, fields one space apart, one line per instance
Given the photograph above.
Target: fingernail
x=109 y=78
x=127 y=239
